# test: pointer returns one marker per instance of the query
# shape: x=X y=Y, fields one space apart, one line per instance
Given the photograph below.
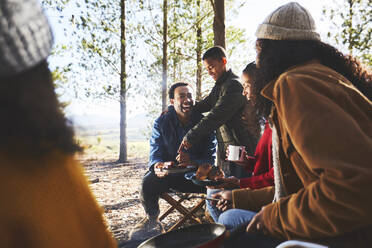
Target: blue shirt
x=166 y=137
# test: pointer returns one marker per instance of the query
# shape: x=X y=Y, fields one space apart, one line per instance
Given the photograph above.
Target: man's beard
x=186 y=109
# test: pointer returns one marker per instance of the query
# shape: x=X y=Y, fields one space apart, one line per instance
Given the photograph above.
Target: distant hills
x=92 y=124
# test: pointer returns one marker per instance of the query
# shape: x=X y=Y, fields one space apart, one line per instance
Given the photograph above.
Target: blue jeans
x=213 y=211
x=234 y=218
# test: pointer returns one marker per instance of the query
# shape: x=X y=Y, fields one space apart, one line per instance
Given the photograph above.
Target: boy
x=224 y=104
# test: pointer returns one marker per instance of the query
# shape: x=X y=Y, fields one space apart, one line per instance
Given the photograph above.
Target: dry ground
x=116 y=187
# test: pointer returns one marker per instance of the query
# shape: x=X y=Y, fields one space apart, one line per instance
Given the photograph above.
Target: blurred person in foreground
x=322 y=136
x=260 y=165
x=167 y=134
x=45 y=198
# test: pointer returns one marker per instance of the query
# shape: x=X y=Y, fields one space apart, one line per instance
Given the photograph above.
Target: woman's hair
x=250 y=69
x=261 y=106
x=33 y=123
x=250 y=116
x=276 y=56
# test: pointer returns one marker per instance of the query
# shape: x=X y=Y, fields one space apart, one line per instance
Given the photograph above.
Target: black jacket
x=225 y=103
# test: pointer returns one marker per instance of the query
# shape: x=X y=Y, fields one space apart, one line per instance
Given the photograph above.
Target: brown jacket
x=46 y=202
x=252 y=199
x=325 y=132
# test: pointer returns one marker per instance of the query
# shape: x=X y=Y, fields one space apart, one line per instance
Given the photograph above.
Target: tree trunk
x=165 y=60
x=198 y=52
x=350 y=27
x=123 y=105
x=174 y=77
x=219 y=23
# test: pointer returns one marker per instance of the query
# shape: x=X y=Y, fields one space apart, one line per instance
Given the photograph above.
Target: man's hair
x=173 y=88
x=216 y=52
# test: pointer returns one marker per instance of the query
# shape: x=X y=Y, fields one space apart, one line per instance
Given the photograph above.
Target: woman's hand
x=225 y=201
x=244 y=155
x=227 y=183
x=257 y=224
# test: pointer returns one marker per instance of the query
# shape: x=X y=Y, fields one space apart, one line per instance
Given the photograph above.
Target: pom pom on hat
x=25 y=36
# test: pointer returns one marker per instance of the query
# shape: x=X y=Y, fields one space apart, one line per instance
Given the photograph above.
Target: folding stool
x=188 y=214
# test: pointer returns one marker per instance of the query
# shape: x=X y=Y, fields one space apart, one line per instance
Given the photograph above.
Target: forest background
x=163 y=41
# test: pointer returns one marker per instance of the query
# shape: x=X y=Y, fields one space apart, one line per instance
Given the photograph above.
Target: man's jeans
x=153 y=187
x=234 y=218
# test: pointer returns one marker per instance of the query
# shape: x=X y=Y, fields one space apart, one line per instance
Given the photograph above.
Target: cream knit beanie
x=289 y=22
x=25 y=36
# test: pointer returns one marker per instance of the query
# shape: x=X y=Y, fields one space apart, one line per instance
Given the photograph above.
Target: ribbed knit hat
x=289 y=22
x=25 y=36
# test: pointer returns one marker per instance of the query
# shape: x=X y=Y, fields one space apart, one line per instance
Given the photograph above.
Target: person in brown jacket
x=322 y=137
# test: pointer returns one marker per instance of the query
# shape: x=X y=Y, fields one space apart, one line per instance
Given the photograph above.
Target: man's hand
x=184 y=145
x=227 y=183
x=225 y=201
x=257 y=225
x=159 y=169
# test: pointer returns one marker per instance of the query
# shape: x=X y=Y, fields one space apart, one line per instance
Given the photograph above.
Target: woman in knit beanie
x=45 y=198
x=322 y=136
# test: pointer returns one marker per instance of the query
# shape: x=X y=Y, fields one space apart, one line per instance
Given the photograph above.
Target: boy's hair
x=173 y=88
x=216 y=52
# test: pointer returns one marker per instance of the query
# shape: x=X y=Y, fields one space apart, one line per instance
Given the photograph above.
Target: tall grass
x=106 y=146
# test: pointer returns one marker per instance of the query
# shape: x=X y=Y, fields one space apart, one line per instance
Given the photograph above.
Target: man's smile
x=186 y=107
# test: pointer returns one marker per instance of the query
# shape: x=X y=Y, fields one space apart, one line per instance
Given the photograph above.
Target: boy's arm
x=203 y=105
x=225 y=108
x=209 y=153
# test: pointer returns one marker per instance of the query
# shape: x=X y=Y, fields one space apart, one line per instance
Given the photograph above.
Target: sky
x=255 y=11
x=248 y=18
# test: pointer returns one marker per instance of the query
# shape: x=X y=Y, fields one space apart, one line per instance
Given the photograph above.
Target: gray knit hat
x=25 y=36
x=289 y=22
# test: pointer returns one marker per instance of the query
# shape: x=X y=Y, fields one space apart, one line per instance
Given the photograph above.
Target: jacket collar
x=173 y=115
x=268 y=90
x=224 y=76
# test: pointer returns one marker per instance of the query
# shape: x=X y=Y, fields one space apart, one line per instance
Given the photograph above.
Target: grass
x=105 y=145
